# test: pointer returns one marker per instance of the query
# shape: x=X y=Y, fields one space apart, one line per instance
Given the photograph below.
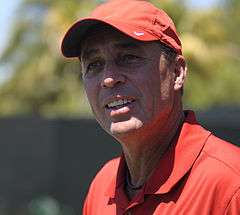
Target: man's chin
x=123 y=128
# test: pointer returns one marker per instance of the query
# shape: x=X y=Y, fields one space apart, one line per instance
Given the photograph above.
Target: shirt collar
x=175 y=163
x=119 y=179
x=179 y=159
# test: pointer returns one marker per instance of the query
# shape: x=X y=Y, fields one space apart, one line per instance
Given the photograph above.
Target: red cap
x=136 y=18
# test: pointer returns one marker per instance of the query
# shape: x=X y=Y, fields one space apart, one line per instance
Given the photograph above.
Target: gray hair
x=169 y=52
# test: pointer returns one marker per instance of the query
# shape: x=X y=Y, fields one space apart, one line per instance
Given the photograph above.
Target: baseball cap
x=138 y=19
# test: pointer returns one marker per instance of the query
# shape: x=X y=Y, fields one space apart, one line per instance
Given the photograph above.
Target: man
x=133 y=71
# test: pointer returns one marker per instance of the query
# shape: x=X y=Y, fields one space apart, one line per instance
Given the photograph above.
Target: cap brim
x=73 y=38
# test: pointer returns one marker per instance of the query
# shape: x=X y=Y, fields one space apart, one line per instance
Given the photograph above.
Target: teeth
x=118 y=102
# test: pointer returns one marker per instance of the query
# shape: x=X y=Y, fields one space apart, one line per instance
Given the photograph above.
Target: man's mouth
x=119 y=103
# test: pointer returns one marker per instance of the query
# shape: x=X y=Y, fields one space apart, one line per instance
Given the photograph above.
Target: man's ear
x=180 y=72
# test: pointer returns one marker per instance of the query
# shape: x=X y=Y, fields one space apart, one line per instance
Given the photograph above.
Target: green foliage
x=213 y=57
x=44 y=83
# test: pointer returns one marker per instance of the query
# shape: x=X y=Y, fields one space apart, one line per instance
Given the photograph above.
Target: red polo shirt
x=198 y=175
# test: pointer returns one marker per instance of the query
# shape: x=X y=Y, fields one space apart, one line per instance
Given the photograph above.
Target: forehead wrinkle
x=127 y=45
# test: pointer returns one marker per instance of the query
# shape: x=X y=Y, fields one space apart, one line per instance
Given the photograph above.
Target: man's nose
x=112 y=77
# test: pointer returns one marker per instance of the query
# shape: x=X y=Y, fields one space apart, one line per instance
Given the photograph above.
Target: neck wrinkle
x=142 y=159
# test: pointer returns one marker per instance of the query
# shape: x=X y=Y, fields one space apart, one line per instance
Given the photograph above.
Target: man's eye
x=94 y=67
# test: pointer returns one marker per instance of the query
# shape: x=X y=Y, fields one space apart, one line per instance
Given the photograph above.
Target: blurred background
x=49 y=150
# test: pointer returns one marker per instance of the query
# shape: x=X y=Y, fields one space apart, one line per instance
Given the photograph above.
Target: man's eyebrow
x=88 y=53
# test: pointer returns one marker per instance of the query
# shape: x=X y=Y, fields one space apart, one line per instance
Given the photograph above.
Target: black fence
x=59 y=158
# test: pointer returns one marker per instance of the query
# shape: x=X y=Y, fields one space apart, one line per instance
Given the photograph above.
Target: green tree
x=46 y=84
x=43 y=82
x=213 y=56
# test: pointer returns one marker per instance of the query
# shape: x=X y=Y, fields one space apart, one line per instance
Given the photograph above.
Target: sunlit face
x=129 y=83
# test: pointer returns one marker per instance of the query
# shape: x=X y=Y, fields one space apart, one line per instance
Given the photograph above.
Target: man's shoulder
x=223 y=154
x=98 y=190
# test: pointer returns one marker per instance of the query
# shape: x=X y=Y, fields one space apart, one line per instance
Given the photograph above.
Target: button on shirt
x=199 y=174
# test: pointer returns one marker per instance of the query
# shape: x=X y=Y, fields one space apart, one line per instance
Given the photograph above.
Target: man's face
x=129 y=83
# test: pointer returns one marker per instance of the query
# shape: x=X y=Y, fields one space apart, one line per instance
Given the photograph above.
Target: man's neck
x=143 y=156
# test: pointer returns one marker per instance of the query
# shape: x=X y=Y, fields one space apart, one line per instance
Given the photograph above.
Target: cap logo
x=107 y=17
x=138 y=33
